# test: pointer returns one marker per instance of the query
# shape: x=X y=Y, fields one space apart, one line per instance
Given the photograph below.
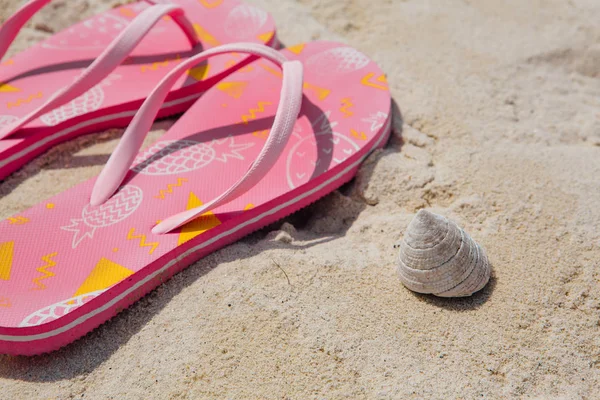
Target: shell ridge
x=435 y=244
x=454 y=266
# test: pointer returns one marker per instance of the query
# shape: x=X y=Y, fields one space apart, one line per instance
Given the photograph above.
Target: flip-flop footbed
x=29 y=78
x=66 y=267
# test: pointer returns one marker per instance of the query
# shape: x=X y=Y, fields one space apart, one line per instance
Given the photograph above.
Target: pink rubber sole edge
x=23 y=341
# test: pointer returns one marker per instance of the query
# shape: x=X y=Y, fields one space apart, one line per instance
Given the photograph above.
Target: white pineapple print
x=339 y=60
x=123 y=203
x=7 y=119
x=376 y=120
x=94 y=33
x=87 y=102
x=55 y=311
x=245 y=21
x=316 y=153
x=178 y=156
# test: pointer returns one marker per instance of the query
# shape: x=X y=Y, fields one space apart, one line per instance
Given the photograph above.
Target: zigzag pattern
x=170 y=186
x=18 y=220
x=346 y=104
x=131 y=236
x=366 y=80
x=253 y=111
x=43 y=269
x=263 y=134
x=17 y=103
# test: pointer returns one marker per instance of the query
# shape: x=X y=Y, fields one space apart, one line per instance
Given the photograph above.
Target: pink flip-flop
x=254 y=148
x=95 y=74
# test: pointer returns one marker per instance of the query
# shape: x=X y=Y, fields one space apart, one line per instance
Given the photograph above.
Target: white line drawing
x=244 y=21
x=297 y=131
x=103 y=28
x=87 y=102
x=376 y=120
x=120 y=206
x=322 y=124
x=298 y=170
x=170 y=157
x=58 y=310
x=339 y=60
x=7 y=119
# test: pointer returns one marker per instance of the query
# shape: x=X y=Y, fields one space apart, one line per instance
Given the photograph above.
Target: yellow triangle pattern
x=205 y=36
x=297 y=49
x=105 y=274
x=199 y=225
x=5 y=87
x=6 y=258
x=199 y=73
x=212 y=4
x=233 y=89
x=266 y=37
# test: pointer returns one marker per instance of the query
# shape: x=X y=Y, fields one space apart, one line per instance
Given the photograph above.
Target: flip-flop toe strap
x=288 y=109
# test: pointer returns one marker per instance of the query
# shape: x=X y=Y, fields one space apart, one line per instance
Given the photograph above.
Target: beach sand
x=497 y=126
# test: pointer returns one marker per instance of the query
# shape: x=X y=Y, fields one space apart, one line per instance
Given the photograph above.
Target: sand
x=497 y=126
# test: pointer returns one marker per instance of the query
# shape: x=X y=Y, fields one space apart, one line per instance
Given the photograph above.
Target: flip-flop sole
x=67 y=267
x=30 y=77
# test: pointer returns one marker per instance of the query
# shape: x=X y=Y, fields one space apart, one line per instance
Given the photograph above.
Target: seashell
x=438 y=257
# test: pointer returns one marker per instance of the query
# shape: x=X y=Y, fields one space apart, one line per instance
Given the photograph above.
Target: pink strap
x=121 y=159
x=107 y=61
x=15 y=22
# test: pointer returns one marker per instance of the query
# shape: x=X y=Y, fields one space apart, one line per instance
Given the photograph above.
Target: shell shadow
x=460 y=304
x=89 y=352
